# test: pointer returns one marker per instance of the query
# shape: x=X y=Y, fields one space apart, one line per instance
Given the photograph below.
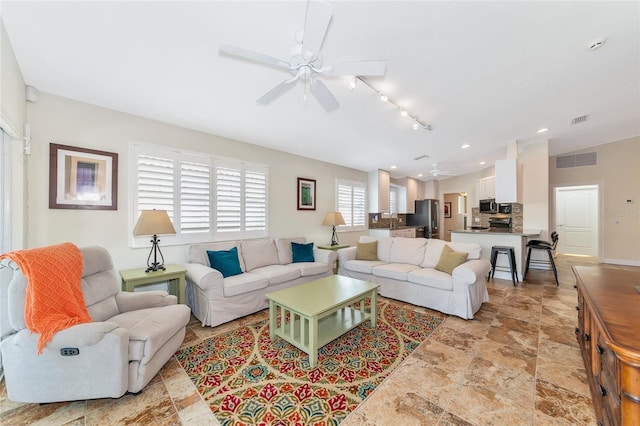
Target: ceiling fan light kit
x=305 y=63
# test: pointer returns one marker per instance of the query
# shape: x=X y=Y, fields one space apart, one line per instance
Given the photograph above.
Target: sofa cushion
x=244 y=283
x=434 y=247
x=150 y=328
x=396 y=271
x=364 y=266
x=384 y=248
x=225 y=261
x=259 y=252
x=284 y=248
x=431 y=278
x=308 y=269
x=302 y=252
x=198 y=252
x=278 y=273
x=407 y=250
x=367 y=251
x=450 y=259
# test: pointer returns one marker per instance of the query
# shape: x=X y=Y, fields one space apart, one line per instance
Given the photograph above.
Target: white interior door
x=577 y=219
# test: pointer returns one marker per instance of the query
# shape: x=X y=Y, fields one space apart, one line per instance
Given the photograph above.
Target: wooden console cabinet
x=609 y=336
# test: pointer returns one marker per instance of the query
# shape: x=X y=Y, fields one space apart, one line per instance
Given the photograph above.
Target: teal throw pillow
x=302 y=252
x=225 y=261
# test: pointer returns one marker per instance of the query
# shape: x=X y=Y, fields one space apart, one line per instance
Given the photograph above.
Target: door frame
x=552 y=210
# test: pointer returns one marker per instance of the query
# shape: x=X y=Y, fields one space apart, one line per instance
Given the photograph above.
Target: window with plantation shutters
x=351 y=203
x=155 y=183
x=195 y=196
x=207 y=198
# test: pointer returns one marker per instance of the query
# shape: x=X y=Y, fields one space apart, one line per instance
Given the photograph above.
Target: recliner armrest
x=80 y=335
x=130 y=301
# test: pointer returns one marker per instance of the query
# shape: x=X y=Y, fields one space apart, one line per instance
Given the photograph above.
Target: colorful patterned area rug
x=248 y=379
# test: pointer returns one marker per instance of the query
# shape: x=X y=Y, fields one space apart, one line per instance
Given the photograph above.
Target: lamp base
x=334 y=237
x=154 y=268
x=155 y=249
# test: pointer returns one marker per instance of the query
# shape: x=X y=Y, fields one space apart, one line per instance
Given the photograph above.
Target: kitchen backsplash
x=377 y=222
x=515 y=215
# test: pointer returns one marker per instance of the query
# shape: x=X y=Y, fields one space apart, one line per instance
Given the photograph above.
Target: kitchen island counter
x=525 y=233
x=488 y=238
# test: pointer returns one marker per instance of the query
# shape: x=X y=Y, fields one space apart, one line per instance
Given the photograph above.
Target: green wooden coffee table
x=320 y=311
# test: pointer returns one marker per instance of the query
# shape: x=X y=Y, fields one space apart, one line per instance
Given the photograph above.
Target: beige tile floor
x=516 y=363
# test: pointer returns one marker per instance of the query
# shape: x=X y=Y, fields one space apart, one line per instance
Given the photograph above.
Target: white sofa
x=267 y=266
x=405 y=270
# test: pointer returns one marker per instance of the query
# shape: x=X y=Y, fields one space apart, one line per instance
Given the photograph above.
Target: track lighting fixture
x=417 y=124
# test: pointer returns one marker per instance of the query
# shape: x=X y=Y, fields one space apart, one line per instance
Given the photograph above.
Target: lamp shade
x=333 y=219
x=154 y=222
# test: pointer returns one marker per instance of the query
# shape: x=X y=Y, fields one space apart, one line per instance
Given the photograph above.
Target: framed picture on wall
x=306 y=194
x=447 y=209
x=82 y=178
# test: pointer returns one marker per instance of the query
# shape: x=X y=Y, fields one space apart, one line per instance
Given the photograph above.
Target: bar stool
x=547 y=246
x=510 y=252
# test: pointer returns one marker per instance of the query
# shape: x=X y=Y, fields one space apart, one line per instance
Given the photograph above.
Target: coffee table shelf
x=313 y=314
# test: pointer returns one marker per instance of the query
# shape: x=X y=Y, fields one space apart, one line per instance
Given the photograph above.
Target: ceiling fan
x=435 y=172
x=305 y=62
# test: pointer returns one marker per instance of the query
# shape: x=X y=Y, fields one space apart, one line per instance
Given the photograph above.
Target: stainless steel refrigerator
x=427 y=216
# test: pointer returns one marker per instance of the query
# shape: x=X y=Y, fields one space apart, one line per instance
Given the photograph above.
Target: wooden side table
x=174 y=275
x=334 y=248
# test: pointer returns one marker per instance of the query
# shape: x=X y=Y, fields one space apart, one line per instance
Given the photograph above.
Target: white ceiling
x=482 y=73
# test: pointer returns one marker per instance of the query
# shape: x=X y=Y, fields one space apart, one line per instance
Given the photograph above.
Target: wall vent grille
x=578 y=160
x=579 y=120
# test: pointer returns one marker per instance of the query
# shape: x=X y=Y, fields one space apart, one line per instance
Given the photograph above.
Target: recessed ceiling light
x=483 y=162
x=394 y=167
x=596 y=44
x=384 y=98
x=420 y=175
x=544 y=129
x=465 y=146
x=404 y=113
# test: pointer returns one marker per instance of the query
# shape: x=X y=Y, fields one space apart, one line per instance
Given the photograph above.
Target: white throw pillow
x=260 y=252
x=407 y=250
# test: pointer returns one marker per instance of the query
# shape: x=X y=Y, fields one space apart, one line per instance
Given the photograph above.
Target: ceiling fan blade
x=316 y=23
x=366 y=68
x=277 y=91
x=324 y=96
x=253 y=56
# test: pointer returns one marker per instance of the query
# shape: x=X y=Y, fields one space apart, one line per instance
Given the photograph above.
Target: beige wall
x=59 y=120
x=618 y=176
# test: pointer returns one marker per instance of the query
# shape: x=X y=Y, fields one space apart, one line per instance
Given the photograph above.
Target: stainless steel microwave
x=488 y=206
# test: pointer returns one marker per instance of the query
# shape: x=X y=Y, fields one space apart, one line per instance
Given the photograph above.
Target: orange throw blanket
x=54 y=299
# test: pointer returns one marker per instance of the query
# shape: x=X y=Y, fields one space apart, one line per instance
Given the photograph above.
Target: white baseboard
x=624 y=262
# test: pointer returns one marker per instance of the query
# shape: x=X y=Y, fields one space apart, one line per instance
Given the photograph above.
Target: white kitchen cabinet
x=485 y=188
x=405 y=233
x=379 y=181
x=507 y=181
x=408 y=195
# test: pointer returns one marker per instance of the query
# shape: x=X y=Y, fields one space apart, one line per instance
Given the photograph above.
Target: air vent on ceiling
x=421 y=157
x=578 y=160
x=579 y=120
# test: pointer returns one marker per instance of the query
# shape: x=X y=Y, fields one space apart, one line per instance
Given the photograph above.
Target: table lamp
x=154 y=222
x=333 y=219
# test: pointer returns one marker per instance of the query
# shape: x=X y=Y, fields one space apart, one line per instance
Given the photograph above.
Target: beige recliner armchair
x=131 y=337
